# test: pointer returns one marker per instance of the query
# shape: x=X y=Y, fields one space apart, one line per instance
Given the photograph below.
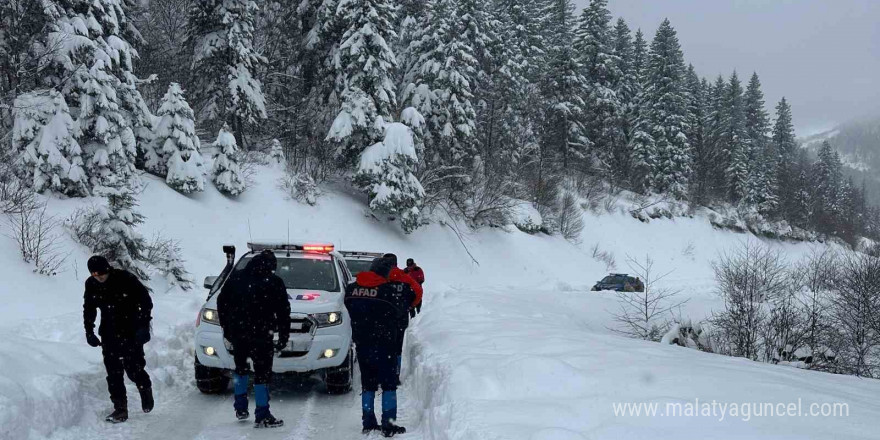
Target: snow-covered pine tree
x=180 y=146
x=786 y=147
x=44 y=137
x=826 y=183
x=364 y=65
x=641 y=142
x=107 y=138
x=564 y=88
x=734 y=141
x=626 y=88
x=439 y=79
x=91 y=65
x=276 y=152
x=595 y=51
x=762 y=191
x=714 y=142
x=506 y=134
x=225 y=63
x=666 y=102
x=696 y=134
x=226 y=171
x=385 y=173
x=117 y=239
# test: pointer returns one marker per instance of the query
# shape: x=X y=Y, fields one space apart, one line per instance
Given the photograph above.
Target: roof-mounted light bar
x=323 y=248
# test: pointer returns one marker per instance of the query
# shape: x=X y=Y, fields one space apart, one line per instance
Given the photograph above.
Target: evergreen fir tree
x=827 y=183
x=107 y=138
x=225 y=64
x=696 y=134
x=666 y=106
x=595 y=51
x=762 y=160
x=625 y=88
x=734 y=141
x=180 y=146
x=44 y=136
x=638 y=118
x=364 y=66
x=119 y=242
x=439 y=84
x=385 y=173
x=564 y=88
x=226 y=171
x=786 y=147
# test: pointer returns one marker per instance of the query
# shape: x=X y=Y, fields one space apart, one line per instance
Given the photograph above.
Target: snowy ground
x=511 y=345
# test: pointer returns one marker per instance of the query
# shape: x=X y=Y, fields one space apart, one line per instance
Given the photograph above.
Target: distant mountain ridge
x=858 y=143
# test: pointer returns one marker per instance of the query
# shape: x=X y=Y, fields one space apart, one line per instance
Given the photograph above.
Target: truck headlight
x=210 y=316
x=328 y=319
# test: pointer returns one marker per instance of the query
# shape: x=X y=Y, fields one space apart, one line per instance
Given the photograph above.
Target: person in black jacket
x=126 y=308
x=252 y=307
x=379 y=310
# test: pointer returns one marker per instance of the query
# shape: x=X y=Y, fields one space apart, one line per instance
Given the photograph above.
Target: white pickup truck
x=320 y=332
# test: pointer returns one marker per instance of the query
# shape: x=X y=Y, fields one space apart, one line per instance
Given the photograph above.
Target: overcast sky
x=823 y=55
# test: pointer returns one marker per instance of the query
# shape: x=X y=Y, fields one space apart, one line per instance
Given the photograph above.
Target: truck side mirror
x=209 y=282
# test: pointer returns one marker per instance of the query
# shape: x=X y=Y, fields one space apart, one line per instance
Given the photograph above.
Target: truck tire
x=339 y=379
x=210 y=380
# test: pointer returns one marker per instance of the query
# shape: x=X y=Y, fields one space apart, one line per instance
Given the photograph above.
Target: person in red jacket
x=399 y=276
x=417 y=274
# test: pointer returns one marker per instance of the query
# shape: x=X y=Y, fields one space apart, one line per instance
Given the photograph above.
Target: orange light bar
x=324 y=248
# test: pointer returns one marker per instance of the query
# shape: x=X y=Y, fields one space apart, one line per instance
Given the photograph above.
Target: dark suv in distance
x=620 y=282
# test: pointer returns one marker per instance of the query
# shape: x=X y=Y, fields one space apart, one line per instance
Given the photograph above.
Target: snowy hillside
x=512 y=345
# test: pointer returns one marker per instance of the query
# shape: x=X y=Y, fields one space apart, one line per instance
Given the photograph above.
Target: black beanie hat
x=98 y=264
x=392 y=258
x=381 y=266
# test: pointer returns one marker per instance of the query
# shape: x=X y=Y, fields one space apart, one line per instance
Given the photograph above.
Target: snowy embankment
x=511 y=344
x=551 y=370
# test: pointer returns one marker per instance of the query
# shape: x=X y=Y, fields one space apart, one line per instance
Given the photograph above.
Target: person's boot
x=390 y=430
x=242 y=414
x=241 y=401
x=368 y=415
x=118 y=415
x=389 y=414
x=147 y=402
x=269 y=422
x=263 y=418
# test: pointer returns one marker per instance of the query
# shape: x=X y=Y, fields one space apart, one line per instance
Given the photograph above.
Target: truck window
x=307 y=273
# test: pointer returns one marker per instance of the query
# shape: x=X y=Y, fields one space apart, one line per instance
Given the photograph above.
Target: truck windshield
x=358 y=266
x=305 y=273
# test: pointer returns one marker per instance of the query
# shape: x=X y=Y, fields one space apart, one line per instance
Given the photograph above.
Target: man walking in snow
x=252 y=307
x=377 y=306
x=126 y=308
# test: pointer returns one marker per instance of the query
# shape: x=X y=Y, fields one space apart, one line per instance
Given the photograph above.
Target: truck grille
x=300 y=325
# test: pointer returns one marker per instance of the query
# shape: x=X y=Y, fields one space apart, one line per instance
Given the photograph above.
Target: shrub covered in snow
x=165 y=255
x=44 y=137
x=300 y=187
x=385 y=174
x=226 y=172
x=180 y=151
x=276 y=152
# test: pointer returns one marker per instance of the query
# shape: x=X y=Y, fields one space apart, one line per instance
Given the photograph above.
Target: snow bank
x=518 y=364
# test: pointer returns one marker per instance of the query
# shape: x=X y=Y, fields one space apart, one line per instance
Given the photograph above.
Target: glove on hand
x=93 y=340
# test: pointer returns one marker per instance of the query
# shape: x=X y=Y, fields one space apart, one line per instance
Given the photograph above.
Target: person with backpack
x=378 y=307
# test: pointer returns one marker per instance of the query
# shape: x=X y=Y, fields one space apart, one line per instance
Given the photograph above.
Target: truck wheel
x=339 y=379
x=210 y=380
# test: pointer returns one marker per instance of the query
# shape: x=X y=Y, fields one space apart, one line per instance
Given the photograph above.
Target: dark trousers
x=378 y=368
x=261 y=354
x=124 y=357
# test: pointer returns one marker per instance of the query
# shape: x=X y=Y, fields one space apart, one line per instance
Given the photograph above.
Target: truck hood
x=315 y=301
